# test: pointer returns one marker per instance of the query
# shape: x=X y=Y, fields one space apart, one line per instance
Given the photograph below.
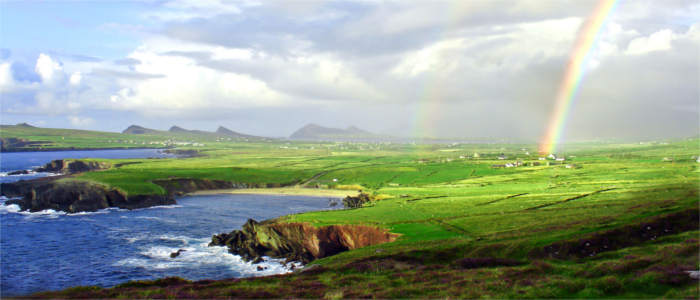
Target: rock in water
x=176 y=253
x=20 y=172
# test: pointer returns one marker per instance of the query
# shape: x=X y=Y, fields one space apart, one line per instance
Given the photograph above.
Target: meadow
x=611 y=220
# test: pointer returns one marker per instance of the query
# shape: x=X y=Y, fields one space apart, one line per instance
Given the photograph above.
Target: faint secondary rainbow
x=569 y=86
x=430 y=106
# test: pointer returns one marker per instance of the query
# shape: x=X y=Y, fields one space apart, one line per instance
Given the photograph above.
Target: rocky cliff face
x=74 y=196
x=298 y=241
x=181 y=186
x=73 y=166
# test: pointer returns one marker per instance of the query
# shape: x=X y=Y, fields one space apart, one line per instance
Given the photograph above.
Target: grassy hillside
x=623 y=218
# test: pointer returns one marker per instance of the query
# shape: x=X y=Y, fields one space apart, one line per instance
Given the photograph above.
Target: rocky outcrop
x=181 y=186
x=20 y=144
x=298 y=241
x=73 y=166
x=19 y=172
x=74 y=196
x=65 y=194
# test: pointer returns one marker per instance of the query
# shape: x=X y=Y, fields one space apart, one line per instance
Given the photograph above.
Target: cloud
x=48 y=69
x=75 y=78
x=658 y=41
x=182 y=10
x=6 y=79
x=456 y=68
x=82 y=122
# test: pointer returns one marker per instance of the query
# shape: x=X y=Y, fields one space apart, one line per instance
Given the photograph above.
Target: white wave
x=49 y=213
x=165 y=206
x=30 y=173
x=101 y=211
x=167 y=237
x=197 y=253
x=12 y=208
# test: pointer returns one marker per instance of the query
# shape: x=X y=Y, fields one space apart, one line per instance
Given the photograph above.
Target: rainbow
x=573 y=75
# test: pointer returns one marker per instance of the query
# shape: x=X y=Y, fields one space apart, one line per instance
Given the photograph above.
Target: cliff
x=298 y=241
x=73 y=166
x=64 y=194
x=74 y=196
x=181 y=186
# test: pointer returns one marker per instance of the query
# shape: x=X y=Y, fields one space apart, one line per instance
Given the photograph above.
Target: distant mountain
x=136 y=129
x=228 y=132
x=25 y=125
x=317 y=132
x=176 y=129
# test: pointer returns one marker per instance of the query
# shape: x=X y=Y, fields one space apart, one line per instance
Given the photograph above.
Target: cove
x=52 y=250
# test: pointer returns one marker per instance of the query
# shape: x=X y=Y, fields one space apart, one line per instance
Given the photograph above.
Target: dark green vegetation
x=622 y=223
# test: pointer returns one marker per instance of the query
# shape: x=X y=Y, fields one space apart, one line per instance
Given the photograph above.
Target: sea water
x=51 y=250
x=15 y=161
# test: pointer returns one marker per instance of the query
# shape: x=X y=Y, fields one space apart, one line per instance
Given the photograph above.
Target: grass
x=467 y=229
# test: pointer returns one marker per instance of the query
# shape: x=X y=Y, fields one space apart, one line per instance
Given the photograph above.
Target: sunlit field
x=469 y=225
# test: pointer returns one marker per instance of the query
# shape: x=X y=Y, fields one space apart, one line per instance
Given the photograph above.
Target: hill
x=314 y=132
x=228 y=132
x=179 y=131
x=136 y=129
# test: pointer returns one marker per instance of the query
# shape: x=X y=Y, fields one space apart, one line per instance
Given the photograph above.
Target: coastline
x=284 y=191
x=78 y=149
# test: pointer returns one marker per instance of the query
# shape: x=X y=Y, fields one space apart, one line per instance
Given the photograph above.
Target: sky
x=466 y=68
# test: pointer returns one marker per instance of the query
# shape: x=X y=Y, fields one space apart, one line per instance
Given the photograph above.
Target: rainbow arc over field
x=566 y=93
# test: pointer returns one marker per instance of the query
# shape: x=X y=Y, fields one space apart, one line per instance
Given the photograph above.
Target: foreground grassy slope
x=467 y=229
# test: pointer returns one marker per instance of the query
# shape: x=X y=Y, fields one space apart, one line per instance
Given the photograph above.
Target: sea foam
x=197 y=253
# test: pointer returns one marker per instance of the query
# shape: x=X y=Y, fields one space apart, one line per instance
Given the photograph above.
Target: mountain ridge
x=313 y=131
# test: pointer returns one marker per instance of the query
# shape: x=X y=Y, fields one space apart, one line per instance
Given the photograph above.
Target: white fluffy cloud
x=75 y=78
x=50 y=70
x=81 y=122
x=657 y=41
x=6 y=79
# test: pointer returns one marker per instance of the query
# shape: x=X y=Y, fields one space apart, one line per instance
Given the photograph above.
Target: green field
x=468 y=229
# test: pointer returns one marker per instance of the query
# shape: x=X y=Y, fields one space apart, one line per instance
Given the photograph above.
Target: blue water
x=52 y=250
x=14 y=161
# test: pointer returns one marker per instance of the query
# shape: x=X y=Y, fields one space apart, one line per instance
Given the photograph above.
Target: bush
x=357 y=201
